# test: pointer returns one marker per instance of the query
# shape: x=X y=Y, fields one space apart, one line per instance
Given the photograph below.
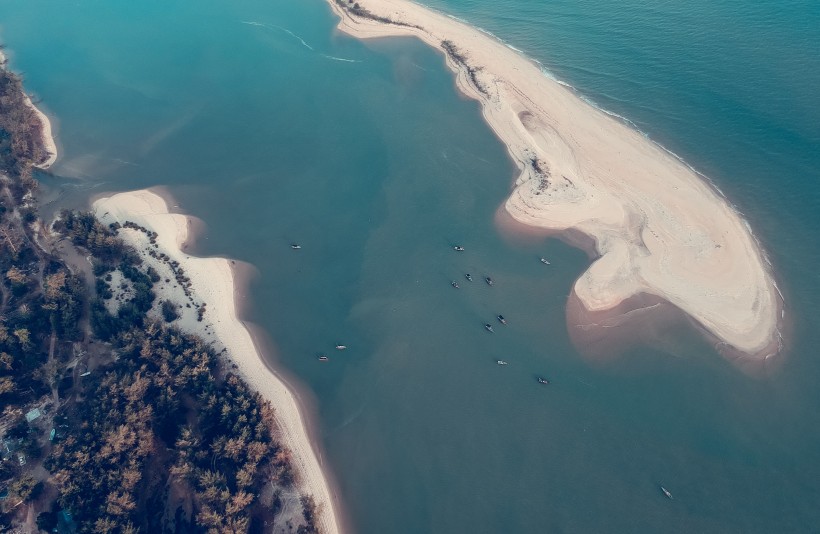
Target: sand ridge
x=212 y=283
x=659 y=228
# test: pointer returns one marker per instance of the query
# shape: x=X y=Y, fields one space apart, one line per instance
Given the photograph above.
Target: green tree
x=23 y=488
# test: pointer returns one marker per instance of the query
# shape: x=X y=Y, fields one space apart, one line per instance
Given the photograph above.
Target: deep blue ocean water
x=377 y=166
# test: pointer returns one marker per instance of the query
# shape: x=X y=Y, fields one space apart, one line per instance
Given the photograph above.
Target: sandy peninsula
x=213 y=284
x=656 y=226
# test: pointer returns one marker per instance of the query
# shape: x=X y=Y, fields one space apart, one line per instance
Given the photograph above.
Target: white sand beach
x=658 y=227
x=212 y=283
x=48 y=137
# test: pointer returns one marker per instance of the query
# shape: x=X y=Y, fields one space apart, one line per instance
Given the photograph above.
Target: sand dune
x=658 y=227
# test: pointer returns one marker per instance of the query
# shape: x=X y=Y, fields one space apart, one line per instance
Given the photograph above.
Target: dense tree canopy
x=161 y=437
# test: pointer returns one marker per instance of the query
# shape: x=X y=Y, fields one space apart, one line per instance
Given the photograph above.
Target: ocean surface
x=270 y=126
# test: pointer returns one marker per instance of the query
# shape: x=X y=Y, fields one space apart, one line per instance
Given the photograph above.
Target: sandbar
x=657 y=226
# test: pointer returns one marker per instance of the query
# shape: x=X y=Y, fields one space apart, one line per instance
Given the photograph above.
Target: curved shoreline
x=46 y=131
x=47 y=135
x=213 y=283
x=658 y=227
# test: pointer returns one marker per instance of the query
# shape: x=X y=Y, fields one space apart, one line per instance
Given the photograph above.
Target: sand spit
x=658 y=227
x=212 y=283
x=48 y=136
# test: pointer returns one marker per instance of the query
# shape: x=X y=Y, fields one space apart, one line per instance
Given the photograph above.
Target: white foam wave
x=548 y=73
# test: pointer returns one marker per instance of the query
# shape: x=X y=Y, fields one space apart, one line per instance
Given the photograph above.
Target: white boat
x=341 y=347
x=295 y=246
x=544 y=261
x=666 y=492
x=501 y=362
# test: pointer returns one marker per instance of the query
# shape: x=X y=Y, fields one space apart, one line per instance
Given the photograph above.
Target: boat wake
x=298 y=38
x=275 y=27
x=334 y=58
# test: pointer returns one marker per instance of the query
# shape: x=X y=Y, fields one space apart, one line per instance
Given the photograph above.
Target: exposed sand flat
x=212 y=283
x=659 y=228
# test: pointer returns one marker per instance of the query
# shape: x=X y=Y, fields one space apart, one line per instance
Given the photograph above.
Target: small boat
x=501 y=362
x=544 y=261
x=501 y=319
x=489 y=281
x=341 y=347
x=489 y=327
x=323 y=358
x=459 y=248
x=469 y=277
x=295 y=246
x=454 y=284
x=666 y=492
x=543 y=381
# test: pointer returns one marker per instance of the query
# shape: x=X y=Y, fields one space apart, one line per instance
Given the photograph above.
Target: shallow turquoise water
x=377 y=167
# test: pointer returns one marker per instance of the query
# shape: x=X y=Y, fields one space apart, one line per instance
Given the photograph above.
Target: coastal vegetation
x=21 y=146
x=354 y=8
x=114 y=420
x=165 y=437
x=460 y=59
